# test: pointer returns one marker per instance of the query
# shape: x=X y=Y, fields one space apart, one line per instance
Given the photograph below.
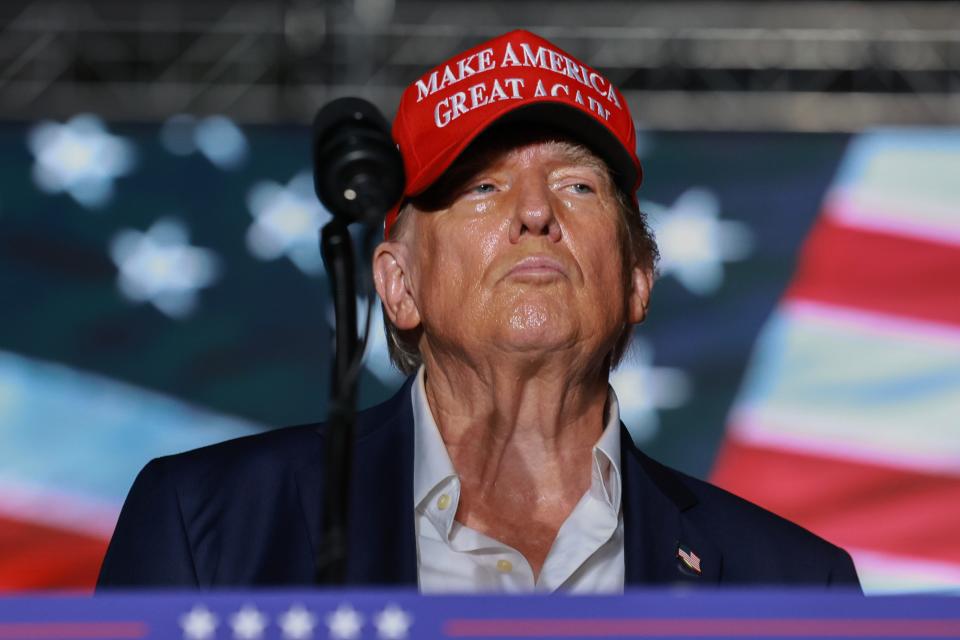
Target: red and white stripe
x=849 y=419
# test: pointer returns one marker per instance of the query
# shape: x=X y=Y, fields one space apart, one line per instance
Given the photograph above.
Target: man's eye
x=484 y=187
x=581 y=187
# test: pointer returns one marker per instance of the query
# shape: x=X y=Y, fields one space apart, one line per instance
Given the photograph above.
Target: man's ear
x=390 y=276
x=641 y=282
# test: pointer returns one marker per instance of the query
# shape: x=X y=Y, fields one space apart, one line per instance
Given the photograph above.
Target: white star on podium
x=345 y=623
x=393 y=623
x=198 y=624
x=297 y=623
x=248 y=623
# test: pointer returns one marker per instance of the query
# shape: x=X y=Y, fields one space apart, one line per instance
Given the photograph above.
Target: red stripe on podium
x=71 y=630
x=703 y=628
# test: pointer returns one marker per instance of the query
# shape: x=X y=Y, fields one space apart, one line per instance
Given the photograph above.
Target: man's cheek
x=488 y=244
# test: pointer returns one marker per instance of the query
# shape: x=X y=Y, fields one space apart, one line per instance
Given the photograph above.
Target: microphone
x=357 y=169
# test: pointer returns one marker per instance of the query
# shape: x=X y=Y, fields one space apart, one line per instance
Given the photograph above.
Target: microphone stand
x=336 y=246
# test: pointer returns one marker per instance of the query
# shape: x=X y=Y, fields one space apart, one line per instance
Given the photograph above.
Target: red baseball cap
x=516 y=76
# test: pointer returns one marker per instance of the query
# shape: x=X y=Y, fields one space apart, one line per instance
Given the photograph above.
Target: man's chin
x=532 y=330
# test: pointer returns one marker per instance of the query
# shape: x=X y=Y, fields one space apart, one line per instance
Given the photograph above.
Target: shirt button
x=504 y=566
x=443 y=502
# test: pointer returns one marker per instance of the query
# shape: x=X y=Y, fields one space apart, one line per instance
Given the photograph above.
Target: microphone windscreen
x=358 y=172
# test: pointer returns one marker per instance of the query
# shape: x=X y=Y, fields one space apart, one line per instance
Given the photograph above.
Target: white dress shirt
x=586 y=557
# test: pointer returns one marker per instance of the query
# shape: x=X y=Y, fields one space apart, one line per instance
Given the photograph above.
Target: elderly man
x=511 y=276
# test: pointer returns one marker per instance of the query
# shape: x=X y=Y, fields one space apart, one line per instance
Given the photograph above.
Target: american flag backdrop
x=848 y=420
x=161 y=289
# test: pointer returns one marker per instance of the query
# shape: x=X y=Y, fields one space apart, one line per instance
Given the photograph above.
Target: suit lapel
x=382 y=546
x=309 y=484
x=657 y=523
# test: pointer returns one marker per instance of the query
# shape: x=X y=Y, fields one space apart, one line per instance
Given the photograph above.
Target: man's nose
x=535 y=213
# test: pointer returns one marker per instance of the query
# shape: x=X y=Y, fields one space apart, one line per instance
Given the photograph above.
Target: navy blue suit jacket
x=247 y=512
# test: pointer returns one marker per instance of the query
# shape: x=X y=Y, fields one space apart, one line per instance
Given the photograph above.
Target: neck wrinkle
x=514 y=402
x=508 y=428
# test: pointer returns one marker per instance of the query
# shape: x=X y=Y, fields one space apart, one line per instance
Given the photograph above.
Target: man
x=511 y=276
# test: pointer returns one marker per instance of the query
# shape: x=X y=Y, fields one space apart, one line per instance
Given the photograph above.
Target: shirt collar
x=433 y=468
x=431 y=462
x=606 y=456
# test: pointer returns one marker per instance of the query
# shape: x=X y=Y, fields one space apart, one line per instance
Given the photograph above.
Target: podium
x=396 y=615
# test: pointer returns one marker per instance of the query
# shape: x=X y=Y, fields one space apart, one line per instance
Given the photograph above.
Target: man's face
x=522 y=254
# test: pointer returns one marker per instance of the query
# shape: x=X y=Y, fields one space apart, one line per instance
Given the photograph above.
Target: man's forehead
x=492 y=153
x=530 y=145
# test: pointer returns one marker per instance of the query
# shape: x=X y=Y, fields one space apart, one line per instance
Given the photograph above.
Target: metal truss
x=707 y=65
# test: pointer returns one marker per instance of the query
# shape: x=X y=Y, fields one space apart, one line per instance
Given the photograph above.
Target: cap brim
x=586 y=129
x=558 y=115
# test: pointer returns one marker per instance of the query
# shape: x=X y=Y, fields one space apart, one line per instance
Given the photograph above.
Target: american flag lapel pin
x=688 y=559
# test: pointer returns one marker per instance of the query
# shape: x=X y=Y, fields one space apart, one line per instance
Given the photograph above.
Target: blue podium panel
x=397 y=615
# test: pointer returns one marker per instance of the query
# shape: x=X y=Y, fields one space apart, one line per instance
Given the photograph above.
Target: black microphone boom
x=358 y=172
